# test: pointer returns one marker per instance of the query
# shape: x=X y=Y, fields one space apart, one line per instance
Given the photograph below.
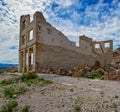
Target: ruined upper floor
x=40 y=31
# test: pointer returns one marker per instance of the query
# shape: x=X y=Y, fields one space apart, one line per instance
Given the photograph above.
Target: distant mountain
x=4 y=66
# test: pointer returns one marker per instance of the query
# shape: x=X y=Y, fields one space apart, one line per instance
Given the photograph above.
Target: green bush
x=97 y=75
x=9 y=107
x=29 y=75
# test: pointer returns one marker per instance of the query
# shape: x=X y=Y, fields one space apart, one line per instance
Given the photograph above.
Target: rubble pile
x=62 y=71
x=113 y=72
x=46 y=70
x=51 y=70
x=80 y=71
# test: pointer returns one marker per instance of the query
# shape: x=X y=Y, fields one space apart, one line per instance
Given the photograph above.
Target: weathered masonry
x=41 y=44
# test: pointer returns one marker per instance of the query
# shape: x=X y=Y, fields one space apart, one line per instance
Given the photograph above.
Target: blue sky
x=97 y=19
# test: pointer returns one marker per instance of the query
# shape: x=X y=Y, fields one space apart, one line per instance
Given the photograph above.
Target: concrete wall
x=85 y=45
x=60 y=57
x=50 y=36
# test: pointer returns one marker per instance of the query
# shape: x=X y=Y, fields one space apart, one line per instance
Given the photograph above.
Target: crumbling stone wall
x=42 y=44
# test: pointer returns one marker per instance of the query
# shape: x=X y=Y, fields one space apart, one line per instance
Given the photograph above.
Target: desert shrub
x=77 y=107
x=44 y=82
x=9 y=92
x=6 y=82
x=114 y=105
x=100 y=71
x=21 y=89
x=116 y=97
x=78 y=104
x=29 y=75
x=13 y=92
x=9 y=107
x=96 y=75
x=25 y=109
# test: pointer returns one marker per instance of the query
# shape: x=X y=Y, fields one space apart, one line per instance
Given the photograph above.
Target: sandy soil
x=66 y=94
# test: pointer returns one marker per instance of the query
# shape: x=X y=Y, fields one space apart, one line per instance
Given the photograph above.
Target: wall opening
x=106 y=45
x=21 y=57
x=30 y=59
x=31 y=34
x=97 y=46
x=31 y=18
x=26 y=58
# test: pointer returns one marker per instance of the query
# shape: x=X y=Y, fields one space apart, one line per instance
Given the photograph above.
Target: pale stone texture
x=51 y=47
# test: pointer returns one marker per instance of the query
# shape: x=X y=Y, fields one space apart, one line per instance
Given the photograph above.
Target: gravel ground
x=68 y=94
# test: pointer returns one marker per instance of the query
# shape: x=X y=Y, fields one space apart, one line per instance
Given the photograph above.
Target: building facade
x=41 y=44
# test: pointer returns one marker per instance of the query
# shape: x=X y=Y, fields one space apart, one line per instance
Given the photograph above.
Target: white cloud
x=104 y=29
x=65 y=3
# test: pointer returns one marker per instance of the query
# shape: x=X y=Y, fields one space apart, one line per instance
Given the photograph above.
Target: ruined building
x=41 y=44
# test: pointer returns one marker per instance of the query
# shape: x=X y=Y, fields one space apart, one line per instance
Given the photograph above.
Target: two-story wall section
x=41 y=44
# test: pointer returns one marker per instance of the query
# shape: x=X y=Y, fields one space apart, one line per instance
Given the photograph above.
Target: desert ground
x=65 y=94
